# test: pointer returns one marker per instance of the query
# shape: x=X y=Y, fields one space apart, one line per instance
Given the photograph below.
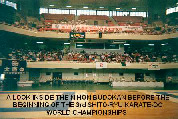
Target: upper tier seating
x=94 y=17
x=59 y=17
x=128 y=20
x=50 y=19
x=135 y=19
x=110 y=23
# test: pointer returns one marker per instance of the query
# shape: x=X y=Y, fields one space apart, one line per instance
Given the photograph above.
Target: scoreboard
x=76 y=36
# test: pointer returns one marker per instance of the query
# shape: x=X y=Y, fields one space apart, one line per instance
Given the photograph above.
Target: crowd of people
x=58 y=55
x=48 y=27
x=36 y=55
x=159 y=30
x=118 y=58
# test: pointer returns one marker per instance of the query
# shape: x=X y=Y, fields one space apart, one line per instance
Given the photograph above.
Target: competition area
x=139 y=104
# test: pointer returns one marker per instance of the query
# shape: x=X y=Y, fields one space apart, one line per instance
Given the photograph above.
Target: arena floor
x=161 y=108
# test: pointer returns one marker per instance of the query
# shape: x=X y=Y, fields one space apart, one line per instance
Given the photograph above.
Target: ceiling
x=95 y=4
x=125 y=5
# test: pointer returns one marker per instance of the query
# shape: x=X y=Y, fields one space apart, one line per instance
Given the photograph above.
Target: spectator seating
x=128 y=20
x=58 y=55
x=59 y=17
x=93 y=17
x=110 y=23
x=49 y=19
x=134 y=19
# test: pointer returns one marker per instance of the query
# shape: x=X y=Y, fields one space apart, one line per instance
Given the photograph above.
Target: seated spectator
x=57 y=55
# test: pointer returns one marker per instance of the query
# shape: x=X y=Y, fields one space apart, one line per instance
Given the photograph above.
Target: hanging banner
x=14 y=67
x=88 y=28
x=100 y=65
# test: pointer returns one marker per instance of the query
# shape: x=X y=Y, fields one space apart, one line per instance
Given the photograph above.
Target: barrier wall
x=68 y=64
x=73 y=64
x=112 y=36
x=96 y=75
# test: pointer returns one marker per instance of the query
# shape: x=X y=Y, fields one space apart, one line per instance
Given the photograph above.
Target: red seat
x=94 y=17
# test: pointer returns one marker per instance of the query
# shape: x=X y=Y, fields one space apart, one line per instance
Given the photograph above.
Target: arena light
x=80 y=45
x=39 y=42
x=68 y=6
x=66 y=43
x=134 y=8
x=85 y=7
x=101 y=7
x=118 y=8
x=119 y=42
x=51 y=5
x=126 y=44
x=163 y=44
x=151 y=44
x=112 y=45
x=2 y=76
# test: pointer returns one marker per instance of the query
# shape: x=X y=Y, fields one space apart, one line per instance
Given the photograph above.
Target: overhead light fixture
x=68 y=6
x=118 y=8
x=151 y=44
x=126 y=44
x=101 y=7
x=112 y=45
x=119 y=42
x=51 y=5
x=39 y=42
x=163 y=44
x=85 y=7
x=79 y=45
x=66 y=43
x=2 y=76
x=134 y=8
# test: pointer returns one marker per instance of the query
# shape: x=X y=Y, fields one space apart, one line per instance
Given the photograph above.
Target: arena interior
x=89 y=47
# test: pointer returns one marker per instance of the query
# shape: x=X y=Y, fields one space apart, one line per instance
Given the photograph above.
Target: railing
x=89 y=35
x=77 y=65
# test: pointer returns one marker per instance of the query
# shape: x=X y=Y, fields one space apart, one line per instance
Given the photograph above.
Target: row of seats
x=110 y=23
x=94 y=17
x=134 y=19
x=120 y=20
x=68 y=17
x=130 y=24
x=50 y=19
